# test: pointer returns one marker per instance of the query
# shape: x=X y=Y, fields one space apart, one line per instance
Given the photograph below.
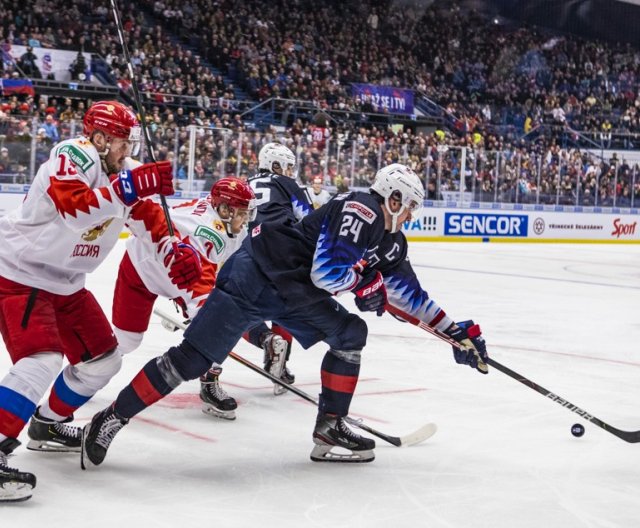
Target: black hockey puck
x=577 y=430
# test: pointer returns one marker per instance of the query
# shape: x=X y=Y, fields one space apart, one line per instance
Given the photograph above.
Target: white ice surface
x=564 y=316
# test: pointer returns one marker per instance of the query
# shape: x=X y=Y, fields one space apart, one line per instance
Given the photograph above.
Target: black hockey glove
x=371 y=294
x=472 y=350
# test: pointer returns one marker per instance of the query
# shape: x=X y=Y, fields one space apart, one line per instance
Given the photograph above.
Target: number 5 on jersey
x=350 y=226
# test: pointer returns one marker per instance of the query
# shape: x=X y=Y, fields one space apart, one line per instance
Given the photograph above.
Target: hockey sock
x=277 y=329
x=23 y=387
x=339 y=380
x=63 y=400
x=255 y=334
x=159 y=377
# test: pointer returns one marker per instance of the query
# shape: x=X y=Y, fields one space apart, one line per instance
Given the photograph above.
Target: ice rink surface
x=565 y=316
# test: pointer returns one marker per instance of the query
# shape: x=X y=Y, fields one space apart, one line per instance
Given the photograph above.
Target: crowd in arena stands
x=482 y=72
x=496 y=169
x=479 y=70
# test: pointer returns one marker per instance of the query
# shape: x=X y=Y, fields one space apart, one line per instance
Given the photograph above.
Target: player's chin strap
x=103 y=156
x=394 y=216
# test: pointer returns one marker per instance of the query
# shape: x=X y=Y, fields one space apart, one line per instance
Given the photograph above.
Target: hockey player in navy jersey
x=281 y=199
x=290 y=274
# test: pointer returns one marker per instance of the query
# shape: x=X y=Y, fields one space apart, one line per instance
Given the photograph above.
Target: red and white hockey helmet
x=235 y=193
x=114 y=119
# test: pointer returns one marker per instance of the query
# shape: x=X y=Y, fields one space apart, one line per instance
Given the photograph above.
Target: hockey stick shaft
x=418 y=436
x=143 y=116
x=627 y=436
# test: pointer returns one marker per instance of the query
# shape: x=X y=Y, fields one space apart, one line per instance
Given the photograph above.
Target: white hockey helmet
x=276 y=152
x=399 y=182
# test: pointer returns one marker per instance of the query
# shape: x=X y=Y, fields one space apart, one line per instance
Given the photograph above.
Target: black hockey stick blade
x=420 y=435
x=628 y=436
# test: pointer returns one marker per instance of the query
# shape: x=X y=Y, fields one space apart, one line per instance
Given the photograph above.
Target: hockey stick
x=628 y=436
x=143 y=118
x=420 y=435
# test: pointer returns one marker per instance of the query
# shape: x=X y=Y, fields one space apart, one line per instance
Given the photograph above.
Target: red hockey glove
x=184 y=266
x=145 y=180
x=370 y=292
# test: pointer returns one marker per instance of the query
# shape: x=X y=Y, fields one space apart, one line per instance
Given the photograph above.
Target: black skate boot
x=14 y=485
x=52 y=436
x=215 y=401
x=332 y=431
x=97 y=436
x=276 y=353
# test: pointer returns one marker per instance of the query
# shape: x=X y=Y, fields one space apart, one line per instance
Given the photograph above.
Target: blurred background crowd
x=504 y=111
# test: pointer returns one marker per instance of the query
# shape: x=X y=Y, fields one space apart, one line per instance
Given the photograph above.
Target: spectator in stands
x=78 y=68
x=51 y=129
x=28 y=64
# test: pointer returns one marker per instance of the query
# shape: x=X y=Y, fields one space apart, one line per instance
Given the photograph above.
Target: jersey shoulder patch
x=77 y=155
x=213 y=237
x=361 y=210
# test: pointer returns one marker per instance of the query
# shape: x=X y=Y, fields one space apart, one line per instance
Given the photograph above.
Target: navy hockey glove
x=472 y=350
x=184 y=266
x=371 y=294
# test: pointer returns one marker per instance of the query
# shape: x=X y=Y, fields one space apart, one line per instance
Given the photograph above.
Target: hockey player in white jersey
x=214 y=227
x=70 y=219
x=318 y=195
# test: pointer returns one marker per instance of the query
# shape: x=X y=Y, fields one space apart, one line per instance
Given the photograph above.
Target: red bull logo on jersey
x=86 y=250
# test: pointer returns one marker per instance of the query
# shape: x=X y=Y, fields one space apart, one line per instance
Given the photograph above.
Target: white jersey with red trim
x=201 y=226
x=69 y=221
x=318 y=199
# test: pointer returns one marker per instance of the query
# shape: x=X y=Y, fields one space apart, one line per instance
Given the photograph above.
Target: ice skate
x=215 y=400
x=15 y=485
x=331 y=432
x=52 y=436
x=97 y=436
x=276 y=353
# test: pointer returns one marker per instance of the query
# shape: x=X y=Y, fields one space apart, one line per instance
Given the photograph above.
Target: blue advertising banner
x=385 y=98
x=472 y=224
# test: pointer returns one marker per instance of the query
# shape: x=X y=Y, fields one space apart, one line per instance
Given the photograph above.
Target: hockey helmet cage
x=399 y=182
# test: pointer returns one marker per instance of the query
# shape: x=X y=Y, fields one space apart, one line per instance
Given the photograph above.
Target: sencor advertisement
x=485 y=225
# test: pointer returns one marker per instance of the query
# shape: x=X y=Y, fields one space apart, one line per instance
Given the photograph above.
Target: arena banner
x=385 y=98
x=441 y=224
x=54 y=62
x=445 y=224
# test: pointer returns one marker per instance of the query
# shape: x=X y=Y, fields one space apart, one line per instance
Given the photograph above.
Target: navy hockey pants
x=244 y=297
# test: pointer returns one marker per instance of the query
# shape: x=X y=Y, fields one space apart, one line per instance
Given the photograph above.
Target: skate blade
x=209 y=409
x=279 y=389
x=85 y=463
x=47 y=446
x=323 y=453
x=15 y=491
